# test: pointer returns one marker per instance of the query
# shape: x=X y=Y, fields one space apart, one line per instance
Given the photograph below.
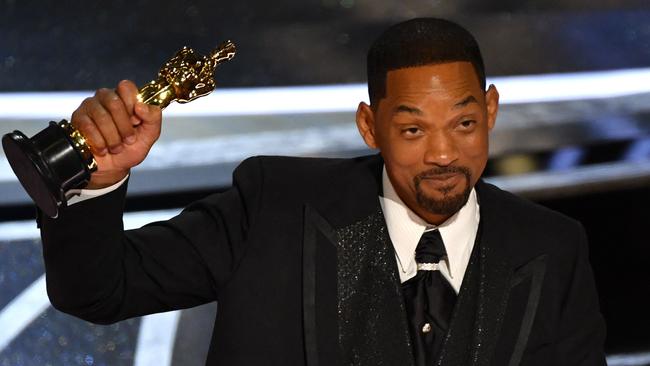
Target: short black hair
x=419 y=42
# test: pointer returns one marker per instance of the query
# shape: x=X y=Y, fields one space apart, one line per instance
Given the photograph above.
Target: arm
x=100 y=273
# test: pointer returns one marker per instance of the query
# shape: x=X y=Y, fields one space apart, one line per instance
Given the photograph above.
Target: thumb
x=148 y=114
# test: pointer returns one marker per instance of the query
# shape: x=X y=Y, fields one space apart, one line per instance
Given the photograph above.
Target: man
x=403 y=258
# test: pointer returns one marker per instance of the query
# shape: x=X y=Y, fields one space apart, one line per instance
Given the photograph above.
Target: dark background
x=78 y=45
x=64 y=45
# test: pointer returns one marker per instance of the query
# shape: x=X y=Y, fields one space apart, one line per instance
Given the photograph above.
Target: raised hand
x=119 y=129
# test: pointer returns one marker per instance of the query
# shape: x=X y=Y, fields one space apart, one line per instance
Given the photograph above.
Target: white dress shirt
x=405 y=229
x=85 y=194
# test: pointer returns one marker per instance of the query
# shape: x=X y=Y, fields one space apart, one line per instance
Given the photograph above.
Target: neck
x=428 y=217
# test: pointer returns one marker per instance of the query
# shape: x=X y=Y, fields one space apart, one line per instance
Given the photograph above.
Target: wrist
x=99 y=180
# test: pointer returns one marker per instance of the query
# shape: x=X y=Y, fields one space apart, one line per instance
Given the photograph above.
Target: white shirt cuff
x=84 y=194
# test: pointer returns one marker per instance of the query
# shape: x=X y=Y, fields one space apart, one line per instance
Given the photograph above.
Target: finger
x=104 y=122
x=114 y=104
x=135 y=121
x=82 y=122
x=128 y=92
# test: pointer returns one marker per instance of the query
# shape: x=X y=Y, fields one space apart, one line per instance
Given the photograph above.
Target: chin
x=445 y=199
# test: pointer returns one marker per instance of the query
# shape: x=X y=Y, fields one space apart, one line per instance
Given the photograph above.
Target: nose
x=441 y=149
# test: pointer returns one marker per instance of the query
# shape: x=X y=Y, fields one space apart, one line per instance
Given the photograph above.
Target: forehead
x=446 y=80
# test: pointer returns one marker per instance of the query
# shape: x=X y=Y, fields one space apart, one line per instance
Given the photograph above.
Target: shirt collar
x=405 y=228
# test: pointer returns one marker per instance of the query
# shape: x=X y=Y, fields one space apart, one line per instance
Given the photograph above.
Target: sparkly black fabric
x=372 y=320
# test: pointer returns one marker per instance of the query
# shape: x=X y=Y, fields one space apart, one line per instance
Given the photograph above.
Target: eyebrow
x=412 y=110
x=406 y=109
x=465 y=102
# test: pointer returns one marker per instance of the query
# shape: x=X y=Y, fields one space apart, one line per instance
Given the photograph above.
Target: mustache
x=431 y=173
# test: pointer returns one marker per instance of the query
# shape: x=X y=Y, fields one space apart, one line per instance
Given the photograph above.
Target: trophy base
x=47 y=166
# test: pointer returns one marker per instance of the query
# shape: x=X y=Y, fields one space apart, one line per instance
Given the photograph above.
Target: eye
x=411 y=131
x=467 y=124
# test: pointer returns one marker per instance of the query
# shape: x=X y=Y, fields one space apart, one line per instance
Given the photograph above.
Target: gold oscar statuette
x=58 y=160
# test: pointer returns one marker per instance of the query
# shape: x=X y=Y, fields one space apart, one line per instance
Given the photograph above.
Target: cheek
x=404 y=162
x=475 y=153
x=475 y=146
x=399 y=152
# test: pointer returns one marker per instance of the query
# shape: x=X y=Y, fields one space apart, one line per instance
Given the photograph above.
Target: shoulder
x=520 y=210
x=289 y=171
x=530 y=228
x=341 y=189
x=315 y=165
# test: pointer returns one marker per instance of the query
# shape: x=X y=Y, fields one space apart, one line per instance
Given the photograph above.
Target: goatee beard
x=449 y=204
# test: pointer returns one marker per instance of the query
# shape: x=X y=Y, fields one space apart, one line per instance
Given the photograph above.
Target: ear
x=492 y=103
x=366 y=124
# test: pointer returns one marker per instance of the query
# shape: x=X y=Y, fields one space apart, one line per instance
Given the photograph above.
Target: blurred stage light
x=342 y=98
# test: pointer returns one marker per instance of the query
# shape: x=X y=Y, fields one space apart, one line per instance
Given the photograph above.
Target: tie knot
x=430 y=248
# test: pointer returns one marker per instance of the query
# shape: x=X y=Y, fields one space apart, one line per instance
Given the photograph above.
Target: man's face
x=432 y=130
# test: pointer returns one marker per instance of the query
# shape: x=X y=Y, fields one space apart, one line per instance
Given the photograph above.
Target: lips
x=442 y=177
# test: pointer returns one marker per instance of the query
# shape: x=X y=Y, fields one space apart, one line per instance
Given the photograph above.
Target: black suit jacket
x=298 y=256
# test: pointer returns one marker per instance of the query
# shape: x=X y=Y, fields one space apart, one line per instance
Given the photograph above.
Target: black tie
x=429 y=300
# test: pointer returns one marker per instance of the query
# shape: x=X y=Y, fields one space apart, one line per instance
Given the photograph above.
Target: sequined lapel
x=372 y=323
x=350 y=274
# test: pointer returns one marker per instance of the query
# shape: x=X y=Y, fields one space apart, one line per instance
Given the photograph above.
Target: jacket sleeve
x=97 y=271
x=582 y=327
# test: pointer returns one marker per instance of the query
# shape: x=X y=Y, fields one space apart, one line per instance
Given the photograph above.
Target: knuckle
x=84 y=106
x=87 y=101
x=124 y=84
x=113 y=100
x=76 y=116
x=102 y=92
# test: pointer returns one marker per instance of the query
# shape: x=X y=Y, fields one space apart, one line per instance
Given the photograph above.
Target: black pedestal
x=47 y=165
